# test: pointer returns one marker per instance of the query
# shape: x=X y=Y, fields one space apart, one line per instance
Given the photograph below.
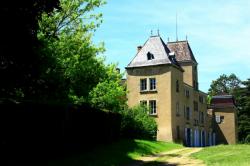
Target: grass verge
x=115 y=154
x=225 y=155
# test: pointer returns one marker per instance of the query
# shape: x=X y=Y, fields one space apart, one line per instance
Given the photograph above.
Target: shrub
x=136 y=123
x=247 y=139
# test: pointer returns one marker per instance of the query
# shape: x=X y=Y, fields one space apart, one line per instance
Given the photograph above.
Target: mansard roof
x=182 y=50
x=153 y=52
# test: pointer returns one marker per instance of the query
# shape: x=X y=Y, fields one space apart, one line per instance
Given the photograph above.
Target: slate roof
x=182 y=50
x=155 y=46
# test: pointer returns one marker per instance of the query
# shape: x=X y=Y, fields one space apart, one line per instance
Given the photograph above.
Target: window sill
x=148 y=91
x=154 y=115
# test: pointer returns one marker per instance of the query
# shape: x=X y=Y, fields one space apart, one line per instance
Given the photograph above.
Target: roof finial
x=151 y=32
x=158 y=32
x=168 y=39
x=186 y=37
x=176 y=28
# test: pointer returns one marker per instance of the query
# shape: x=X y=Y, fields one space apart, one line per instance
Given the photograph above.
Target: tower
x=224 y=119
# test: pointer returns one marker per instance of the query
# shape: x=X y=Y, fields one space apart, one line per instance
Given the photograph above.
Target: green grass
x=117 y=153
x=225 y=155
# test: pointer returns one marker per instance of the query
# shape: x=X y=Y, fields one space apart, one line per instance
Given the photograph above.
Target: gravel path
x=177 y=157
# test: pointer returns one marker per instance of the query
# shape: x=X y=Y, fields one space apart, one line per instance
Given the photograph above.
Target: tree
x=244 y=111
x=241 y=91
x=71 y=68
x=224 y=85
x=19 y=59
x=109 y=94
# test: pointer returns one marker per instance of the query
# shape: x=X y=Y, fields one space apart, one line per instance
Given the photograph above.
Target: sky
x=218 y=32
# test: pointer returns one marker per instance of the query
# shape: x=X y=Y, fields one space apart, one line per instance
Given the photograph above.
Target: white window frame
x=143 y=85
x=152 y=83
x=152 y=107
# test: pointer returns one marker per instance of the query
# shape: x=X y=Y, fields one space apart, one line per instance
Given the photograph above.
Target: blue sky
x=218 y=32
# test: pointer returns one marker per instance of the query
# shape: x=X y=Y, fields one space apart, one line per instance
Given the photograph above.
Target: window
x=177 y=85
x=195 y=122
x=152 y=82
x=201 y=99
x=195 y=106
x=177 y=109
x=152 y=107
x=217 y=118
x=184 y=111
x=150 y=56
x=201 y=117
x=143 y=102
x=143 y=84
x=188 y=113
x=195 y=85
x=187 y=93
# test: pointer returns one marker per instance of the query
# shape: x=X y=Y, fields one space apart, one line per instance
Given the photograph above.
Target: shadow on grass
x=150 y=163
x=112 y=154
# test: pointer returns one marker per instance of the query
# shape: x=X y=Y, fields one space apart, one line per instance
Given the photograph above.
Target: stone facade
x=165 y=78
x=224 y=119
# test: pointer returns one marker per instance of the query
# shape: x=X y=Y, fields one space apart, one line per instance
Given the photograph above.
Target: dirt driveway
x=177 y=157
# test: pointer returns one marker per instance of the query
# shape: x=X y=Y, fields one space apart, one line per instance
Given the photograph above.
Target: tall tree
x=71 y=64
x=110 y=93
x=241 y=91
x=244 y=111
x=224 y=85
x=18 y=58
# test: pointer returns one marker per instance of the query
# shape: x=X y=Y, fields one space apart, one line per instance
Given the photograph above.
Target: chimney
x=139 y=48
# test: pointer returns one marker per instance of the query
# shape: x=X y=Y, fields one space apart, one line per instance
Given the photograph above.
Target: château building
x=164 y=77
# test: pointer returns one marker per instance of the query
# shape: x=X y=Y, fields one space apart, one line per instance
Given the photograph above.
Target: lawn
x=225 y=155
x=116 y=154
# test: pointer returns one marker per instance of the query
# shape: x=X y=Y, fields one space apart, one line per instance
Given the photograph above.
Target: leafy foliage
x=247 y=139
x=109 y=94
x=72 y=68
x=241 y=91
x=243 y=102
x=224 y=85
x=136 y=123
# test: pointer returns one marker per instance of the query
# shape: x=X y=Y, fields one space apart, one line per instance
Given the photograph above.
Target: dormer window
x=150 y=56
